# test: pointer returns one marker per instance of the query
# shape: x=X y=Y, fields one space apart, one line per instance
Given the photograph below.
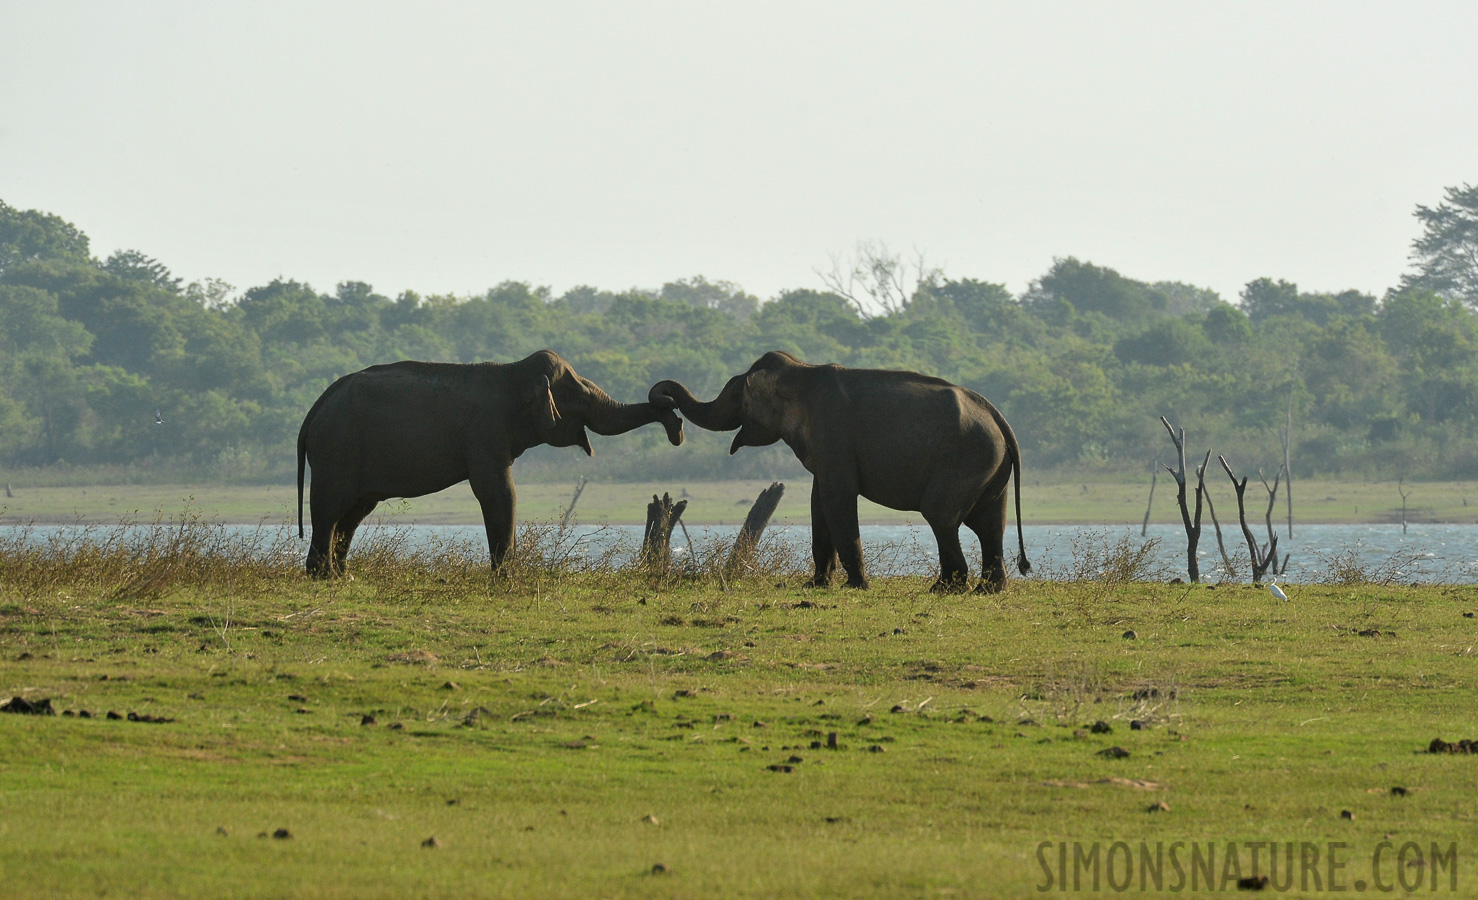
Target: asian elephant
x=413 y=428
x=900 y=439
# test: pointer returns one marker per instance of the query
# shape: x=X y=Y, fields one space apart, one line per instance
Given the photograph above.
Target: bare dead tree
x=1268 y=518
x=1288 y=460
x=1192 y=525
x=1260 y=559
x=754 y=526
x=570 y=510
x=1154 y=476
x=662 y=517
x=1401 y=488
x=877 y=279
x=1226 y=561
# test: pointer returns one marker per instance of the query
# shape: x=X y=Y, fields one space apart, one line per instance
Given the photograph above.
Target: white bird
x=1277 y=591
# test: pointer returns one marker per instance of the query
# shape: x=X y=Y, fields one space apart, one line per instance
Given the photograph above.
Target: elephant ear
x=542 y=411
x=766 y=408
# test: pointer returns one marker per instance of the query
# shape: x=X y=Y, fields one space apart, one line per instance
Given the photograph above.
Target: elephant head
x=761 y=403
x=562 y=405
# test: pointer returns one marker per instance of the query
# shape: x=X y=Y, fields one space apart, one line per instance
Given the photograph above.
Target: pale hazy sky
x=448 y=147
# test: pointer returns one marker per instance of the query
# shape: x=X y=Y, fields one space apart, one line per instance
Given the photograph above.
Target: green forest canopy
x=1083 y=363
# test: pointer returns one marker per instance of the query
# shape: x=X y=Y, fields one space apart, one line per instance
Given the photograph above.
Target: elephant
x=411 y=428
x=903 y=440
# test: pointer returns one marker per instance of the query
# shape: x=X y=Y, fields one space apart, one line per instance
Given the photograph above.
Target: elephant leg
x=954 y=572
x=326 y=512
x=839 y=511
x=823 y=551
x=344 y=533
x=988 y=521
x=499 y=500
x=317 y=565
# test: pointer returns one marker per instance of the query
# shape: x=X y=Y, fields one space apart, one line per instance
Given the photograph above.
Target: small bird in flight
x=158 y=417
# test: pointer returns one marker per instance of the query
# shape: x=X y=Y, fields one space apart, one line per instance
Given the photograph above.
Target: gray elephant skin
x=413 y=428
x=903 y=440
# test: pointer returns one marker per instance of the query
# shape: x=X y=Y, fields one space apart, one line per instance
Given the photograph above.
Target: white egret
x=1277 y=591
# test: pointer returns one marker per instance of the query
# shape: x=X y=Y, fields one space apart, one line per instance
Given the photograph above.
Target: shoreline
x=1231 y=529
x=1109 y=505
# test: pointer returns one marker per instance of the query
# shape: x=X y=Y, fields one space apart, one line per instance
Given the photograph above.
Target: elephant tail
x=1023 y=565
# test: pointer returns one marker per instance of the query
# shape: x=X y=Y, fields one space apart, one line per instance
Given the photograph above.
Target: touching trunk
x=720 y=414
x=606 y=416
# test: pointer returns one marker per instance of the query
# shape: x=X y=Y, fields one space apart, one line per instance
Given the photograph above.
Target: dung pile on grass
x=1463 y=746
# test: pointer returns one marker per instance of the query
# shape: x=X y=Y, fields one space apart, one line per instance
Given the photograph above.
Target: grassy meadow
x=566 y=730
x=725 y=502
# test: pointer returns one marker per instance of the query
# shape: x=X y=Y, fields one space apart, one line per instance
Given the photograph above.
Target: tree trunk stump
x=754 y=526
x=662 y=516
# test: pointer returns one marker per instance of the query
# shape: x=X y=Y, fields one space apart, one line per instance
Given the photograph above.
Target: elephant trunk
x=720 y=414
x=606 y=416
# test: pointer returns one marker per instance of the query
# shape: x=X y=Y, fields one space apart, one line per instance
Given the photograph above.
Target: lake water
x=1446 y=554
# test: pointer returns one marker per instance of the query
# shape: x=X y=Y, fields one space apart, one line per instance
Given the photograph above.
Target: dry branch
x=1144 y=526
x=1226 y=560
x=1268 y=517
x=579 y=489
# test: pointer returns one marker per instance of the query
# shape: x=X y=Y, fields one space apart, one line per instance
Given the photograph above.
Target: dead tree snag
x=1261 y=558
x=662 y=517
x=1192 y=524
x=754 y=526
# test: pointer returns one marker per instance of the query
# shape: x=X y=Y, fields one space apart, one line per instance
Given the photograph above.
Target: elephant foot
x=323 y=570
x=819 y=581
x=949 y=586
x=857 y=583
x=990 y=587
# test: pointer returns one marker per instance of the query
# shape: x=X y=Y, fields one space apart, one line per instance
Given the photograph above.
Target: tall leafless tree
x=1192 y=523
x=875 y=280
x=1262 y=557
x=1288 y=458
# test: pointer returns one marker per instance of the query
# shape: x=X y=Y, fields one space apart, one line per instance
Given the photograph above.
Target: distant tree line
x=1083 y=363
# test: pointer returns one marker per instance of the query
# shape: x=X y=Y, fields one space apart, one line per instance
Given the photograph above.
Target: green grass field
x=726 y=503
x=620 y=734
